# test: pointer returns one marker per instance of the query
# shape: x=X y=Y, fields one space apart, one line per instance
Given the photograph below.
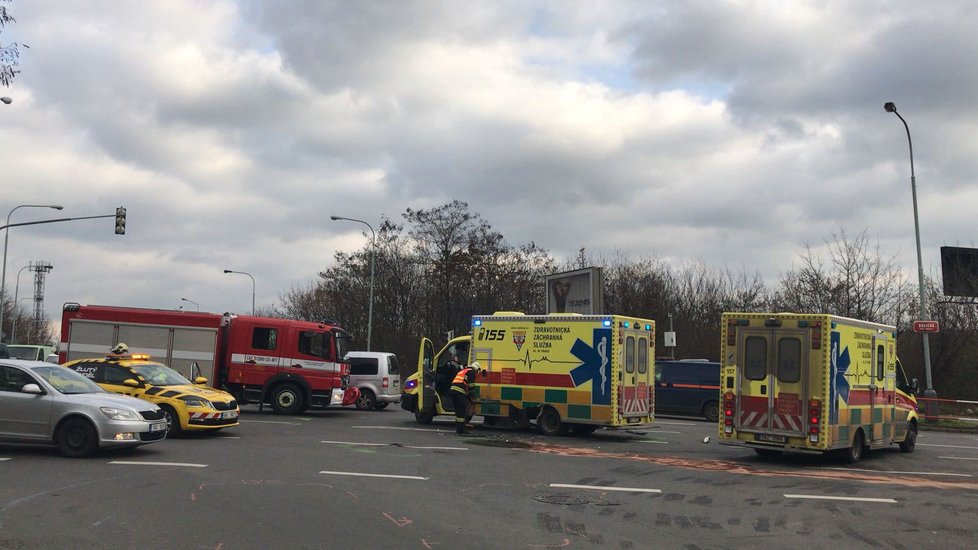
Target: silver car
x=45 y=403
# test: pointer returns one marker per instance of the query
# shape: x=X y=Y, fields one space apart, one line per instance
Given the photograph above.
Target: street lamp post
x=890 y=107
x=6 y=234
x=373 y=253
x=252 y=287
x=198 y=307
x=6 y=100
x=13 y=329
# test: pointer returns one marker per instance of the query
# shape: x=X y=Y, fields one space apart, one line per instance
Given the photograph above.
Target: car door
x=22 y=415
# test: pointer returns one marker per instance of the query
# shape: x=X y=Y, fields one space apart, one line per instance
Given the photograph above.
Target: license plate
x=157 y=427
x=229 y=414
x=771 y=438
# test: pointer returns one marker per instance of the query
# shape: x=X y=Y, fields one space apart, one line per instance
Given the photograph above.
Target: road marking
x=395 y=445
x=652 y=441
x=229 y=437
x=947 y=446
x=896 y=472
x=853 y=499
x=372 y=475
x=270 y=422
x=2 y=459
x=676 y=423
x=398 y=428
x=136 y=463
x=601 y=488
x=958 y=458
x=664 y=432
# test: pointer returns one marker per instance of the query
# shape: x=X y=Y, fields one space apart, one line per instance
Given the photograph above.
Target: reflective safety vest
x=462 y=379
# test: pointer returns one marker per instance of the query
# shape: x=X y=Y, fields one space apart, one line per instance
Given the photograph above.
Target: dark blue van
x=688 y=386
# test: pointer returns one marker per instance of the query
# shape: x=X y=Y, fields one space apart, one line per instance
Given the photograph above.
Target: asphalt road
x=348 y=479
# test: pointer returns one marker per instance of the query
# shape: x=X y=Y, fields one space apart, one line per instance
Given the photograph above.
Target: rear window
x=755 y=358
x=393 y=367
x=363 y=365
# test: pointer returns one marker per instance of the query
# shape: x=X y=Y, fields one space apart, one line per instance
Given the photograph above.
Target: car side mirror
x=200 y=380
x=32 y=388
x=131 y=382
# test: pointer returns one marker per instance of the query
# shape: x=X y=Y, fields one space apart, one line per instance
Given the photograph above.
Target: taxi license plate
x=229 y=414
x=771 y=438
x=157 y=427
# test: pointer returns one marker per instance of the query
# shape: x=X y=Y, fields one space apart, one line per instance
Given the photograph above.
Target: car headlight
x=120 y=414
x=198 y=402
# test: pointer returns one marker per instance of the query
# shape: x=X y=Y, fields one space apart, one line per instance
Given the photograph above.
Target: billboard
x=576 y=292
x=959 y=267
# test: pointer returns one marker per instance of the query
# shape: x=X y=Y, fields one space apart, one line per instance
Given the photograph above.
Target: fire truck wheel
x=425 y=416
x=366 y=401
x=287 y=399
x=908 y=444
x=173 y=428
x=854 y=453
x=76 y=437
x=711 y=411
x=382 y=405
x=549 y=424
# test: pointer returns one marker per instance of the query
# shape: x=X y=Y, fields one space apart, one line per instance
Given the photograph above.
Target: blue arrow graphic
x=595 y=366
x=839 y=383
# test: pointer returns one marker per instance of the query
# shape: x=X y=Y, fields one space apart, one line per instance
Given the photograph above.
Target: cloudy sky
x=732 y=133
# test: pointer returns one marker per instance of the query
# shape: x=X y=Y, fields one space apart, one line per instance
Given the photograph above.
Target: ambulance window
x=630 y=354
x=789 y=360
x=755 y=358
x=880 y=361
x=264 y=338
x=643 y=355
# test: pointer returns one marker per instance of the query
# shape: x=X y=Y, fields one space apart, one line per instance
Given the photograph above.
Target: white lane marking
x=136 y=463
x=897 y=472
x=652 y=441
x=398 y=428
x=602 y=488
x=372 y=475
x=957 y=458
x=853 y=499
x=676 y=423
x=269 y=422
x=229 y=437
x=392 y=445
x=2 y=459
x=663 y=432
x=947 y=446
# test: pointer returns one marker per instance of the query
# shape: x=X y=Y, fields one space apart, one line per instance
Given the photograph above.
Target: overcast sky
x=732 y=133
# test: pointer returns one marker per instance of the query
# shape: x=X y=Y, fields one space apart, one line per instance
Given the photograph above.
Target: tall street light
x=252 y=287
x=6 y=234
x=890 y=107
x=6 y=100
x=373 y=253
x=13 y=329
x=198 y=307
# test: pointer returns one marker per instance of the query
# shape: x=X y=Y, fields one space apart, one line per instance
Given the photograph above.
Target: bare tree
x=9 y=54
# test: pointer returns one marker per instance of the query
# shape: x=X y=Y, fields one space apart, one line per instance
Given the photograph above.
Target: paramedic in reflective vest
x=462 y=390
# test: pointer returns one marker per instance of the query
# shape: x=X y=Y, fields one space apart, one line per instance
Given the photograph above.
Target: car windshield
x=29 y=354
x=160 y=375
x=67 y=381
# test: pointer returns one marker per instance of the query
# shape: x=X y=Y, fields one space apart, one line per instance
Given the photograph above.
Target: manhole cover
x=561 y=499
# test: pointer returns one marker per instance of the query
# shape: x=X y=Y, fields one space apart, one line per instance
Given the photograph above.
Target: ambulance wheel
x=854 y=453
x=366 y=401
x=908 y=444
x=711 y=411
x=549 y=424
x=425 y=416
x=173 y=428
x=287 y=399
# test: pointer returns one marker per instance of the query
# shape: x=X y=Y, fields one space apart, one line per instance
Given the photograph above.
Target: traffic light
x=120 y=220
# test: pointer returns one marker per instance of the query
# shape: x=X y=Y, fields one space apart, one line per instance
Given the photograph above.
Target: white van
x=376 y=375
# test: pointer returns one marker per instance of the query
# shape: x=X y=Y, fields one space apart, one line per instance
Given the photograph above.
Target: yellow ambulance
x=563 y=372
x=813 y=383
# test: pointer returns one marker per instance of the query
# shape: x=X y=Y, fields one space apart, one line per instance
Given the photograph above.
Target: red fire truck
x=291 y=365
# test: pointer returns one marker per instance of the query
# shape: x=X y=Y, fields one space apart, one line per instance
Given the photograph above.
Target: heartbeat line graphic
x=528 y=363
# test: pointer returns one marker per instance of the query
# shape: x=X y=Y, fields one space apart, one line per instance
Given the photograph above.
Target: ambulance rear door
x=772 y=389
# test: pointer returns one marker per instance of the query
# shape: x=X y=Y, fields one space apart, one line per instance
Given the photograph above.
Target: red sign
x=926 y=326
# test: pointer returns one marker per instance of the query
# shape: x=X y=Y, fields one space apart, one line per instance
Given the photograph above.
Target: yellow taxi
x=187 y=406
